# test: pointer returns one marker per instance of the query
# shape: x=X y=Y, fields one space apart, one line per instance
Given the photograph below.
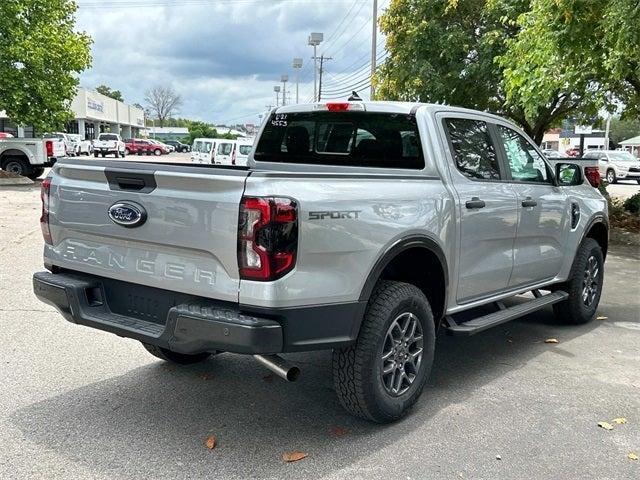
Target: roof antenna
x=354 y=97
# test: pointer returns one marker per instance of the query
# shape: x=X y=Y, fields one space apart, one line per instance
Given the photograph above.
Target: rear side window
x=245 y=149
x=473 y=150
x=356 y=139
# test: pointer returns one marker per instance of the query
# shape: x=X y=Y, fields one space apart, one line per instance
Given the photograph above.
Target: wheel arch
x=13 y=153
x=408 y=260
x=598 y=229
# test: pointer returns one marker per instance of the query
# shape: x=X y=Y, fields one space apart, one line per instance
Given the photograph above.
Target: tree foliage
x=591 y=47
x=163 y=102
x=106 y=91
x=623 y=129
x=204 y=130
x=40 y=58
x=481 y=54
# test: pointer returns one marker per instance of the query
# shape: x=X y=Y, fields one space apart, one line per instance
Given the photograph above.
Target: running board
x=503 y=315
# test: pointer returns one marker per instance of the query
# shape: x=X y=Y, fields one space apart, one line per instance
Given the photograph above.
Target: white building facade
x=93 y=113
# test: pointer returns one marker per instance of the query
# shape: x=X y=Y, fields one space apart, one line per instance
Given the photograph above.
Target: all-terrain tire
x=175 y=357
x=17 y=165
x=357 y=369
x=575 y=309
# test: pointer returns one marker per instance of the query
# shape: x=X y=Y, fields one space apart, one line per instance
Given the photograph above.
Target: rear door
x=187 y=243
x=224 y=152
x=486 y=205
x=542 y=211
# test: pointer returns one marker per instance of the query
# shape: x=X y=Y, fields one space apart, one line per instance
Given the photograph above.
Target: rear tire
x=584 y=285
x=17 y=165
x=175 y=357
x=382 y=375
x=95 y=154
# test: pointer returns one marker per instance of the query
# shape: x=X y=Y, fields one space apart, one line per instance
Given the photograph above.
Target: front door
x=543 y=210
x=487 y=209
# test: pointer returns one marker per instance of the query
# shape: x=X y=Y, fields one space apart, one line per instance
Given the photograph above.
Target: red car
x=142 y=147
x=573 y=152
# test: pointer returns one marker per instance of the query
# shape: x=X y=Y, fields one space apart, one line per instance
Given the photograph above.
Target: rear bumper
x=195 y=324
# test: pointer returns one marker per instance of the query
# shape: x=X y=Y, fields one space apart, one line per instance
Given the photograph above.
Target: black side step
x=504 y=315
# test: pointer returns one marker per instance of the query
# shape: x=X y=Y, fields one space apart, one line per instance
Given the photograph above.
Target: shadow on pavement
x=153 y=420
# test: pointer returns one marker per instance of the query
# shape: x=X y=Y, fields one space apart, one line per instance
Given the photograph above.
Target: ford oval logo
x=127 y=214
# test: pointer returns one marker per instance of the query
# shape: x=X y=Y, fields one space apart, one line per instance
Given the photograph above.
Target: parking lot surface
x=79 y=403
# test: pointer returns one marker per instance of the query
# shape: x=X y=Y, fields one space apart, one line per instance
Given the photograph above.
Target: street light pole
x=297 y=65
x=374 y=39
x=277 y=90
x=314 y=40
x=284 y=79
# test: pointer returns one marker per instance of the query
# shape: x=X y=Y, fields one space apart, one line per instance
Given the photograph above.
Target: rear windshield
x=108 y=137
x=358 y=139
x=245 y=149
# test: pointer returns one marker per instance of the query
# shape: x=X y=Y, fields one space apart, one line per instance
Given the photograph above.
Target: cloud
x=224 y=57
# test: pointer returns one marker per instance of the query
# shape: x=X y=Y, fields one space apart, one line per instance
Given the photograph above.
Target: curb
x=16 y=181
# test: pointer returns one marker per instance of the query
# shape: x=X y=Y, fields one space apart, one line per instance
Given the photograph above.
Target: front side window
x=355 y=139
x=474 y=153
x=245 y=149
x=207 y=147
x=525 y=163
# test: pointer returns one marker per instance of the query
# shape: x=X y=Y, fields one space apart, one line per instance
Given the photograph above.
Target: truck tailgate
x=186 y=244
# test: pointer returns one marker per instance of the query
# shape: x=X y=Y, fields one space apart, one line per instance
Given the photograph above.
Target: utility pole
x=315 y=39
x=297 y=65
x=284 y=79
x=374 y=40
x=277 y=90
x=322 y=60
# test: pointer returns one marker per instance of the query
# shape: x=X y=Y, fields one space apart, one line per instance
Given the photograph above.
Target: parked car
x=573 y=152
x=29 y=156
x=204 y=150
x=362 y=227
x=549 y=153
x=160 y=148
x=243 y=149
x=138 y=146
x=82 y=147
x=109 y=144
x=616 y=165
x=69 y=143
x=179 y=146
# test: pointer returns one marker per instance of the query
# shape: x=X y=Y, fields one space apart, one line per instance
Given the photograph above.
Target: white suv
x=616 y=165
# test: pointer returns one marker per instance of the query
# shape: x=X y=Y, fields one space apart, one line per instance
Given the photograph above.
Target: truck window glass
x=105 y=138
x=225 y=149
x=524 y=162
x=245 y=149
x=474 y=152
x=357 y=139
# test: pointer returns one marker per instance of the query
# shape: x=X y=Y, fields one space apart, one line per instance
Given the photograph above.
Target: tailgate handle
x=128 y=183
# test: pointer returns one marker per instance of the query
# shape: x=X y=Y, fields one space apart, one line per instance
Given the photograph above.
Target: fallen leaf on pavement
x=551 y=340
x=498 y=457
x=632 y=456
x=206 y=376
x=268 y=378
x=620 y=420
x=294 y=456
x=605 y=425
x=338 y=431
x=211 y=442
x=601 y=317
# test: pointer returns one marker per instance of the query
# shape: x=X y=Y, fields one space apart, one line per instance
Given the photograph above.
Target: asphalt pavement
x=79 y=403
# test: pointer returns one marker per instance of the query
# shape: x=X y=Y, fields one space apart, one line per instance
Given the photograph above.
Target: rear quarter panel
x=346 y=222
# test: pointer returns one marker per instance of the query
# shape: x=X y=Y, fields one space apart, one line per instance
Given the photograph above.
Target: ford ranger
x=362 y=227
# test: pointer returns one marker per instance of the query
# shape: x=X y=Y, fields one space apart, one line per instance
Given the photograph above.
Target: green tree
x=587 y=47
x=623 y=129
x=451 y=52
x=115 y=94
x=41 y=56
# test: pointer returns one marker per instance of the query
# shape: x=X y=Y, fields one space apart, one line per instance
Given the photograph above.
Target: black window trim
x=502 y=170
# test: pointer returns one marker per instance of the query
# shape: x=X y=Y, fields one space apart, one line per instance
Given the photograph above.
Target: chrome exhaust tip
x=279 y=366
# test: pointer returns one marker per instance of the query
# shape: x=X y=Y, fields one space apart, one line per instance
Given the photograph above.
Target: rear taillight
x=49 y=147
x=45 y=191
x=267 y=237
x=593 y=175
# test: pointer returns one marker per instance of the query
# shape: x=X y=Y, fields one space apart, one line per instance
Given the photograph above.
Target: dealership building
x=93 y=113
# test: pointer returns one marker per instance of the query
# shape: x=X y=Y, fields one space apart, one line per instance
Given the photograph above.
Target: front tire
x=175 y=357
x=382 y=375
x=157 y=152
x=36 y=172
x=584 y=285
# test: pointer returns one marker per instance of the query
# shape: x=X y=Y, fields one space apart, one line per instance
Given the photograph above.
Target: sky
x=225 y=56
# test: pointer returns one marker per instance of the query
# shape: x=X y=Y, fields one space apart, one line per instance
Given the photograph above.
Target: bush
x=632 y=204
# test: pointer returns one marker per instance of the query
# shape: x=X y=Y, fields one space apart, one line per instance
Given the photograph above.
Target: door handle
x=475 y=202
x=529 y=202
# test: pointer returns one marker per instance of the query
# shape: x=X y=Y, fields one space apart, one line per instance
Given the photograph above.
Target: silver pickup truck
x=362 y=227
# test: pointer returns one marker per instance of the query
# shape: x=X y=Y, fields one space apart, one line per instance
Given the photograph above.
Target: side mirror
x=568 y=174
